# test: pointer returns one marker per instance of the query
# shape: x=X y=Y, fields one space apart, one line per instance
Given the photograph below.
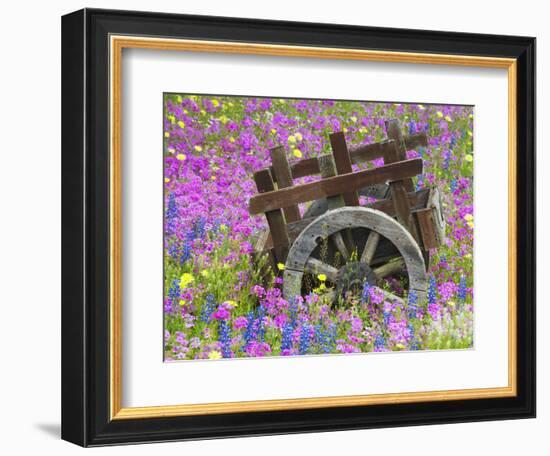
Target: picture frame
x=92 y=171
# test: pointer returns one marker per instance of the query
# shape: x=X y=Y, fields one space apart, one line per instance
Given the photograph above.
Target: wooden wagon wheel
x=356 y=269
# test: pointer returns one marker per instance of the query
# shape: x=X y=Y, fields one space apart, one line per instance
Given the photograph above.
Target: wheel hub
x=352 y=277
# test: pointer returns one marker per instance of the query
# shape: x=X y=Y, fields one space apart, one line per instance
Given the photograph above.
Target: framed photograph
x=279 y=227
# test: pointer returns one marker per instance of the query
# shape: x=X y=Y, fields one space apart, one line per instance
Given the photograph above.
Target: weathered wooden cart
x=337 y=239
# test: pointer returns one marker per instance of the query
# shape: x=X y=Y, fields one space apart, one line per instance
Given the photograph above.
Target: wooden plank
x=275 y=217
x=427 y=229
x=328 y=169
x=358 y=154
x=331 y=186
x=315 y=266
x=399 y=195
x=343 y=164
x=283 y=177
x=393 y=130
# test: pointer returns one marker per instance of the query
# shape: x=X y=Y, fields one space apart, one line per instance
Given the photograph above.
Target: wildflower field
x=217 y=302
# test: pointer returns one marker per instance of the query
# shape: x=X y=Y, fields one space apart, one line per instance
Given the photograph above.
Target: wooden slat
x=324 y=188
x=343 y=164
x=275 y=217
x=399 y=195
x=328 y=169
x=283 y=177
x=427 y=228
x=358 y=154
x=315 y=266
x=393 y=130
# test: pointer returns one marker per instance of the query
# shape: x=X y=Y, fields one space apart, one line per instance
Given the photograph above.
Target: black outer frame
x=85 y=227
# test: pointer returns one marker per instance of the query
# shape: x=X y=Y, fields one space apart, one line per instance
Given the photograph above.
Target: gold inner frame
x=117 y=44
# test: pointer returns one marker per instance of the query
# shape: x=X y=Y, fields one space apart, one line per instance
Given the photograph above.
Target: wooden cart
x=339 y=239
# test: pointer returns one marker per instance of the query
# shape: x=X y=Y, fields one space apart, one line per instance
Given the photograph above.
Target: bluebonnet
x=305 y=339
x=325 y=338
x=174 y=290
x=453 y=141
x=171 y=213
x=199 y=230
x=412 y=304
x=454 y=185
x=379 y=341
x=224 y=336
x=462 y=291
x=261 y=325
x=286 y=343
x=293 y=310
x=432 y=291
x=185 y=252
x=387 y=316
x=446 y=159
x=208 y=308
x=412 y=128
x=250 y=331
x=365 y=295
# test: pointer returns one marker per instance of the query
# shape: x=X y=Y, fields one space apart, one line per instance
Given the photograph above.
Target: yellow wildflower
x=291 y=139
x=322 y=277
x=439 y=114
x=216 y=103
x=181 y=157
x=231 y=139
x=181 y=123
x=353 y=119
x=298 y=136
x=179 y=99
x=166 y=134
x=214 y=354
x=345 y=130
x=451 y=303
x=203 y=112
x=448 y=119
x=205 y=273
x=421 y=107
x=468 y=256
x=297 y=153
x=470 y=133
x=186 y=279
x=400 y=346
x=322 y=287
x=471 y=225
x=231 y=303
x=171 y=150
x=166 y=179
x=198 y=148
x=172 y=119
x=224 y=119
x=273 y=131
x=281 y=266
x=213 y=178
x=468 y=217
x=469 y=158
x=182 y=302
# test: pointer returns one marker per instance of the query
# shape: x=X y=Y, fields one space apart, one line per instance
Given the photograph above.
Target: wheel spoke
x=389 y=295
x=370 y=247
x=315 y=266
x=340 y=245
x=389 y=268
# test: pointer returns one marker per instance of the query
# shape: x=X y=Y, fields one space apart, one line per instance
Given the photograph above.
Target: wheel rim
x=331 y=225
